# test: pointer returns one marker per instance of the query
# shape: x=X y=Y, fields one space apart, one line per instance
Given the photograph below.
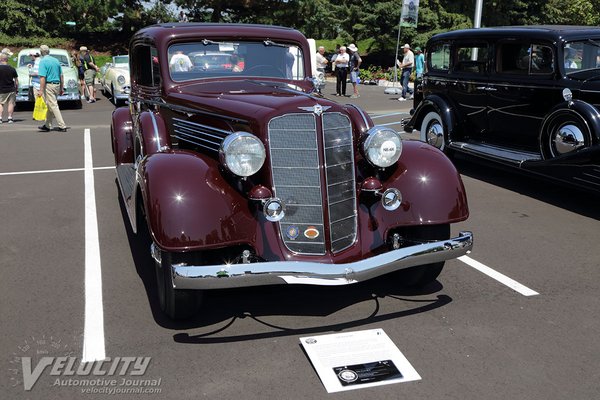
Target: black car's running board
x=496 y=153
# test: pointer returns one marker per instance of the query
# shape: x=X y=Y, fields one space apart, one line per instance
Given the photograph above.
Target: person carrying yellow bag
x=51 y=86
x=40 y=110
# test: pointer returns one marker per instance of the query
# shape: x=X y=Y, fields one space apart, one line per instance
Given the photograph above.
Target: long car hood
x=23 y=75
x=246 y=99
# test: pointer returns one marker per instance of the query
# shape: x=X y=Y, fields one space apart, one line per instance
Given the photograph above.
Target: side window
x=146 y=68
x=438 y=57
x=524 y=59
x=471 y=58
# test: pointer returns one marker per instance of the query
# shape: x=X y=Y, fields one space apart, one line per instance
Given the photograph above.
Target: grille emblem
x=317 y=109
x=292 y=232
x=311 y=232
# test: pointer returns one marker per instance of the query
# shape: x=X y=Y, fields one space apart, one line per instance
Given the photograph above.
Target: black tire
x=570 y=124
x=176 y=303
x=424 y=274
x=433 y=130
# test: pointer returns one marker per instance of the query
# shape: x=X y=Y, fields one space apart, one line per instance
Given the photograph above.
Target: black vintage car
x=525 y=96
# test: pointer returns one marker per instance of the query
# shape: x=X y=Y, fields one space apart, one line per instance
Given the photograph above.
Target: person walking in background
x=406 y=66
x=180 y=62
x=354 y=65
x=182 y=17
x=7 y=51
x=80 y=72
x=89 y=72
x=419 y=65
x=341 y=67
x=34 y=77
x=9 y=83
x=51 y=86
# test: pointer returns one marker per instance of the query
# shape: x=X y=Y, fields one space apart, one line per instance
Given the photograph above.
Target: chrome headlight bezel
x=241 y=148
x=382 y=146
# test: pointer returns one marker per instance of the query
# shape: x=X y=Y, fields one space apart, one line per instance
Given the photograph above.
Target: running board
x=494 y=152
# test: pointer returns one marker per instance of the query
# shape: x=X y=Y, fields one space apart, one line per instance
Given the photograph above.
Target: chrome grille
x=297 y=182
x=341 y=183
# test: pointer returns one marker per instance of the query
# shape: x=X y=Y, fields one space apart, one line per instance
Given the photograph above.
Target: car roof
x=550 y=32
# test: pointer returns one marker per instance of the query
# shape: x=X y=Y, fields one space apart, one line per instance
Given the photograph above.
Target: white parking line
x=48 y=171
x=93 y=331
x=511 y=283
x=388 y=115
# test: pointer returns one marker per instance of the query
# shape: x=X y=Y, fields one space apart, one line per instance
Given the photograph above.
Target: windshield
x=582 y=55
x=209 y=59
x=121 y=60
x=64 y=61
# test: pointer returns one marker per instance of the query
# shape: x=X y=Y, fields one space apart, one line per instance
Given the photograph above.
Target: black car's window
x=439 y=57
x=581 y=55
x=524 y=59
x=210 y=59
x=471 y=58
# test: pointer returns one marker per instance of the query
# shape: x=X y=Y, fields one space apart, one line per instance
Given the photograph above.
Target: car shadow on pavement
x=279 y=300
x=528 y=184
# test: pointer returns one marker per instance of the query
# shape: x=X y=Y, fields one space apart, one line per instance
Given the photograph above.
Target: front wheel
x=424 y=274
x=176 y=303
x=563 y=133
x=433 y=130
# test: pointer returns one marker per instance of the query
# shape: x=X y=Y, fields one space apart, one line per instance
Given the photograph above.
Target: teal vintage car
x=71 y=89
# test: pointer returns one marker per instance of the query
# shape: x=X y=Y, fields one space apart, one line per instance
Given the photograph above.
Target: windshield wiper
x=269 y=42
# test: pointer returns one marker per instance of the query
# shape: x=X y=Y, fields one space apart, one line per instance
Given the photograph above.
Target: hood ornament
x=317 y=109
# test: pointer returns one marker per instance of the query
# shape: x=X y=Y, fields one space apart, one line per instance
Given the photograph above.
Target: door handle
x=491 y=89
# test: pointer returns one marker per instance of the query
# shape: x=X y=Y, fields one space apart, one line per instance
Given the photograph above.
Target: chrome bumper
x=313 y=273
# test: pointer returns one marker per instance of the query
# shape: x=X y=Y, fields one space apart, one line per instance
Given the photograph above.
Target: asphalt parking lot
x=516 y=319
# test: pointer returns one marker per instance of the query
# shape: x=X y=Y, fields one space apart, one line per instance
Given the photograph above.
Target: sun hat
x=7 y=51
x=406 y=46
x=352 y=47
x=44 y=49
x=83 y=48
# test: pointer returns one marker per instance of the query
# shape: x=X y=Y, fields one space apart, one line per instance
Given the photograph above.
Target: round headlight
x=72 y=84
x=382 y=146
x=242 y=153
x=121 y=80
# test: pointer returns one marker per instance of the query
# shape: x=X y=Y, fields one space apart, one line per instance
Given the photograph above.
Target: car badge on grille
x=317 y=109
x=311 y=232
x=292 y=232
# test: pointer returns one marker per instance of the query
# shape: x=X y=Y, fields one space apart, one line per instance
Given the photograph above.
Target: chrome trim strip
x=156 y=136
x=315 y=273
x=209 y=128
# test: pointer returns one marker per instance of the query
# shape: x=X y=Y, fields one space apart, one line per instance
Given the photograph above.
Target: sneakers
x=60 y=129
x=91 y=101
x=355 y=96
x=401 y=99
x=44 y=128
x=10 y=120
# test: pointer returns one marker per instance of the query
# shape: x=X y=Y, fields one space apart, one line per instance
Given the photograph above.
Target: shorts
x=354 y=77
x=90 y=75
x=10 y=98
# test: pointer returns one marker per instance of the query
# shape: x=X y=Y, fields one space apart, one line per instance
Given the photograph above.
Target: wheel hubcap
x=435 y=135
x=568 y=138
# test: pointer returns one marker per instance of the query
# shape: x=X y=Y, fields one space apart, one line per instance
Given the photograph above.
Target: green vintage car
x=71 y=89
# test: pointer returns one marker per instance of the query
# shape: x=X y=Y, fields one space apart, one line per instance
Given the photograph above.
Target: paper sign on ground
x=355 y=360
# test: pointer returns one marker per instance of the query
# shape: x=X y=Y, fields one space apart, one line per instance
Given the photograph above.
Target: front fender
x=190 y=206
x=432 y=189
x=588 y=112
x=154 y=134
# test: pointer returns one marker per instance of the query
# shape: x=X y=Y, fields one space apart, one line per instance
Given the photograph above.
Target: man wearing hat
x=419 y=65
x=408 y=61
x=355 y=62
x=51 y=86
x=89 y=72
x=7 y=51
x=34 y=68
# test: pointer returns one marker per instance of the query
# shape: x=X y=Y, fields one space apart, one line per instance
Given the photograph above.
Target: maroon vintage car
x=243 y=175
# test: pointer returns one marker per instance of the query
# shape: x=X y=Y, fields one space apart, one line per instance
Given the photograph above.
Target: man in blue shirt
x=419 y=65
x=51 y=86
